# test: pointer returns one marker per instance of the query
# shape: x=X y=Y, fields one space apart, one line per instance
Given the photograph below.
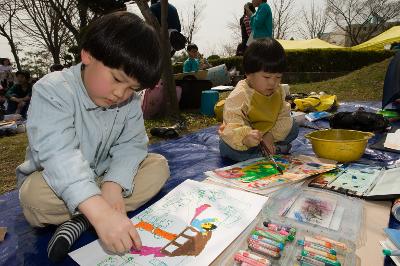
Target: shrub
x=314 y=60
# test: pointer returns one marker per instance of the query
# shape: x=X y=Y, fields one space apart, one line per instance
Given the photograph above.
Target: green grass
x=363 y=84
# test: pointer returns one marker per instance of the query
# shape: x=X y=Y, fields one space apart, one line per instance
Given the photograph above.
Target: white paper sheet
x=393 y=140
x=387 y=184
x=230 y=210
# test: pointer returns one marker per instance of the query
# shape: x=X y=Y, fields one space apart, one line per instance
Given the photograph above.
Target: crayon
x=252 y=256
x=319 y=252
x=389 y=252
x=327 y=261
x=290 y=230
x=316 y=246
x=265 y=245
x=310 y=261
x=302 y=264
x=268 y=241
x=287 y=237
x=253 y=262
x=265 y=251
x=333 y=242
x=317 y=241
x=275 y=237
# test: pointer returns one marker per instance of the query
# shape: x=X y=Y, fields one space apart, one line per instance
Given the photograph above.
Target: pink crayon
x=246 y=257
x=265 y=251
x=263 y=244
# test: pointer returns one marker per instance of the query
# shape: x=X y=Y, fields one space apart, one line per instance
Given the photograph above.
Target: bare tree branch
x=9 y=10
x=191 y=22
x=314 y=21
x=283 y=17
x=362 y=19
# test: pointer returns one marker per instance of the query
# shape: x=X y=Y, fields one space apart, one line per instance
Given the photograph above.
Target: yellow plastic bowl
x=341 y=145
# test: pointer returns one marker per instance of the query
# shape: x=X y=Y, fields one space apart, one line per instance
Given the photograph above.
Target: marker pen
x=253 y=256
x=252 y=262
x=310 y=261
x=327 y=261
x=265 y=245
x=268 y=241
x=265 y=251
x=316 y=246
x=389 y=252
x=333 y=242
x=275 y=237
x=319 y=252
x=317 y=241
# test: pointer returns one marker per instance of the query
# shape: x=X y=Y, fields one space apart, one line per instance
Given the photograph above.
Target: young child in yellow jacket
x=256 y=110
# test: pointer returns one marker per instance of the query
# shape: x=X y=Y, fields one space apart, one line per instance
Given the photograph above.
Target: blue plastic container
x=208 y=99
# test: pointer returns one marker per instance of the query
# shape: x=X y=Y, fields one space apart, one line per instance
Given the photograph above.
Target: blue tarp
x=188 y=157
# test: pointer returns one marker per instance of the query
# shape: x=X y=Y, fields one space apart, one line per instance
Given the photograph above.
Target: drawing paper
x=191 y=225
x=260 y=174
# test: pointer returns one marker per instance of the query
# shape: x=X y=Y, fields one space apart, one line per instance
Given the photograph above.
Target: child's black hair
x=24 y=73
x=122 y=40
x=191 y=46
x=265 y=55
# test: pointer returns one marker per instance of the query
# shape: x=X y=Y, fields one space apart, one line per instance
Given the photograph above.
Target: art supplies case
x=315 y=212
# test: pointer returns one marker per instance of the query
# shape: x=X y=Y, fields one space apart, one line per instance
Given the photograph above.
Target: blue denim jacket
x=74 y=141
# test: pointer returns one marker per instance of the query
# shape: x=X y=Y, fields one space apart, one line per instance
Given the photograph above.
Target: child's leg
x=150 y=178
x=41 y=206
x=228 y=152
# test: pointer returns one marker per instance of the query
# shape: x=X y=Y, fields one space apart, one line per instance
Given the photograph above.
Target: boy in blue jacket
x=87 y=160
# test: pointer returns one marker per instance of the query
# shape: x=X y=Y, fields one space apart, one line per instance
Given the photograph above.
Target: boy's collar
x=87 y=102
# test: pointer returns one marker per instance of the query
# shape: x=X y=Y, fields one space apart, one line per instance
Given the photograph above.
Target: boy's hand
x=116 y=232
x=253 y=138
x=112 y=193
x=269 y=143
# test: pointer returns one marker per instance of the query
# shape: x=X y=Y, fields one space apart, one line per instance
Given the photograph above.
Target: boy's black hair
x=265 y=55
x=56 y=67
x=122 y=40
x=191 y=46
x=24 y=73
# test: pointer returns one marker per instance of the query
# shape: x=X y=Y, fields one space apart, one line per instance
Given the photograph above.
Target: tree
x=167 y=74
x=191 y=22
x=9 y=10
x=36 y=62
x=315 y=21
x=43 y=25
x=361 y=19
x=283 y=17
x=74 y=14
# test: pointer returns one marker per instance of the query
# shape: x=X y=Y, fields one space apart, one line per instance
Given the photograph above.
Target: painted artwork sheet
x=191 y=225
x=260 y=175
x=324 y=179
x=356 y=179
x=313 y=210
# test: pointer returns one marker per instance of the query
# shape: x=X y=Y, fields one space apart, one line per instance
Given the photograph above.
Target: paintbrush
x=266 y=154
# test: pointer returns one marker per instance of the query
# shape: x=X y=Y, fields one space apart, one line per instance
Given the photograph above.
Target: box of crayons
x=319 y=250
x=266 y=245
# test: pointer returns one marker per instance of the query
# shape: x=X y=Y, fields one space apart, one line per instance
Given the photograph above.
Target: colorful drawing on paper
x=356 y=179
x=313 y=210
x=260 y=173
x=191 y=225
x=324 y=179
x=190 y=242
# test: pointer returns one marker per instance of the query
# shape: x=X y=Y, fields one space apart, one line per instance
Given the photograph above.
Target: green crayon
x=327 y=261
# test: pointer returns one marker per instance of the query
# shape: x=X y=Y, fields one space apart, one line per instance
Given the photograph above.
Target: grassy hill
x=363 y=84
